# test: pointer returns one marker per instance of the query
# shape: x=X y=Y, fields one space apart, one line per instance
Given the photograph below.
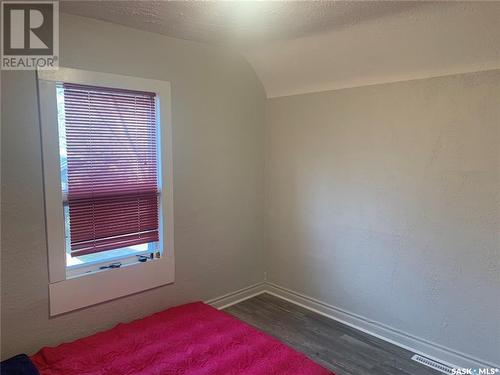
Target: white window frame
x=68 y=292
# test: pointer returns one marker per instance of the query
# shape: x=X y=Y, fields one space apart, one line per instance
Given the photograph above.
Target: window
x=108 y=185
x=109 y=174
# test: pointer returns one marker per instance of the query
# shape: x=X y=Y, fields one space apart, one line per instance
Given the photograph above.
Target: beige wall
x=384 y=201
x=218 y=138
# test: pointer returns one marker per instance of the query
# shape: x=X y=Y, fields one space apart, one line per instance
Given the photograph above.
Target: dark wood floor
x=344 y=350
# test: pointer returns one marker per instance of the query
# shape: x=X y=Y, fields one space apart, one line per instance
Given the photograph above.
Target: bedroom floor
x=344 y=350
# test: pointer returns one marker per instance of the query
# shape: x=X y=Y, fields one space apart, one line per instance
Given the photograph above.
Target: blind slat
x=111 y=168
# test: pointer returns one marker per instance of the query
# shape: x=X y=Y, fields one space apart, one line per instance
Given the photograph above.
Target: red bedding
x=192 y=339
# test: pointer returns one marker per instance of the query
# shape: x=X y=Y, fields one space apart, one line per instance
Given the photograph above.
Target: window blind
x=111 y=148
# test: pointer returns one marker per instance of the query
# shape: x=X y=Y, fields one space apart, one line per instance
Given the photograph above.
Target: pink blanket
x=192 y=339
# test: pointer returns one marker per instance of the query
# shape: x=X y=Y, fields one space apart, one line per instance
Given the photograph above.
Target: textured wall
x=384 y=201
x=218 y=129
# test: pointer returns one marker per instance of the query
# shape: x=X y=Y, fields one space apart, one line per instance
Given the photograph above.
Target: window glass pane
x=109 y=255
x=62 y=139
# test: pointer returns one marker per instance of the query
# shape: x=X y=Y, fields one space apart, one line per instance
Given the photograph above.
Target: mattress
x=193 y=339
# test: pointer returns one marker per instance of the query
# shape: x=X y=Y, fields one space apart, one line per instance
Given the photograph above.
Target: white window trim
x=67 y=294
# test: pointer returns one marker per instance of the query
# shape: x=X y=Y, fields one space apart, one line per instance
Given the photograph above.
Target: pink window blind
x=112 y=168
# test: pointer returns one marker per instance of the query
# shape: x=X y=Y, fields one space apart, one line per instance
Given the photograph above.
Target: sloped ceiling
x=298 y=47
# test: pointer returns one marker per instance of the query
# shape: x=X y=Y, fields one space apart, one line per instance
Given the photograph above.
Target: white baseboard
x=402 y=339
x=394 y=336
x=239 y=295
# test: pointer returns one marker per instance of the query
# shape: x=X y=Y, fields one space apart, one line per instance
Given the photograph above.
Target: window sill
x=79 y=292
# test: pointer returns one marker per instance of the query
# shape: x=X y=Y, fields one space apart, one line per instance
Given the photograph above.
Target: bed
x=193 y=339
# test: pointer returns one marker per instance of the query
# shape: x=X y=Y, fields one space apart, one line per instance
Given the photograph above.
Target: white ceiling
x=308 y=46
